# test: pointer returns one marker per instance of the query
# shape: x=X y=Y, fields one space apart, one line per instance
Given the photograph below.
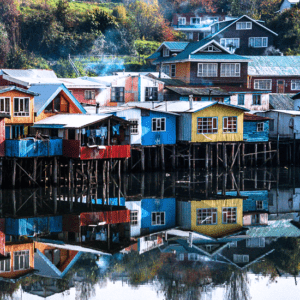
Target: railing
x=33 y=148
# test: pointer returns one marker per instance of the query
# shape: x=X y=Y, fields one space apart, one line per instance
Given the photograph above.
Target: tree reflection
x=7 y=289
x=237 y=287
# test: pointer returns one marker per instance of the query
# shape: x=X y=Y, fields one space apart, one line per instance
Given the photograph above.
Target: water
x=193 y=235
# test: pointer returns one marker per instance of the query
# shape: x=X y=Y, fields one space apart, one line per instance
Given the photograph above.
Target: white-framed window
x=243 y=25
x=189 y=35
x=173 y=70
x=158 y=218
x=207 y=125
x=5 y=265
x=255 y=243
x=230 y=43
x=240 y=258
x=262 y=84
x=295 y=85
x=207 y=70
x=21 y=107
x=195 y=21
x=256 y=99
x=259 y=204
x=193 y=257
x=206 y=216
x=117 y=94
x=134 y=217
x=260 y=127
x=229 y=215
x=180 y=257
x=151 y=94
x=166 y=69
x=5 y=105
x=258 y=42
x=159 y=124
x=166 y=52
x=230 y=124
x=89 y=95
x=231 y=70
x=241 y=99
x=21 y=260
x=211 y=48
x=233 y=244
x=134 y=126
x=181 y=21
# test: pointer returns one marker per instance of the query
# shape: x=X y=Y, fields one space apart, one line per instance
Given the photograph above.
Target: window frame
x=237 y=70
x=238 y=99
x=261 y=242
x=24 y=254
x=259 y=205
x=256 y=99
x=294 y=84
x=158 y=126
x=213 y=73
x=117 y=90
x=181 y=21
x=5 y=265
x=134 y=128
x=197 y=18
x=166 y=69
x=134 y=217
x=206 y=216
x=173 y=70
x=240 y=258
x=260 y=127
x=151 y=93
x=255 y=39
x=6 y=100
x=230 y=213
x=227 y=129
x=22 y=113
x=166 y=52
x=258 y=82
x=246 y=27
x=160 y=214
x=214 y=129
x=89 y=95
x=225 y=40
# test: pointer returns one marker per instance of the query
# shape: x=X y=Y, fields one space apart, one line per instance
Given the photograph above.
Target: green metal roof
x=274 y=65
x=218 y=57
x=176 y=45
x=154 y=55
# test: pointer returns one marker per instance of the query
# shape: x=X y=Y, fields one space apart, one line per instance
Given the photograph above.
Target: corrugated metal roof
x=79 y=82
x=281 y=101
x=14 y=88
x=31 y=73
x=218 y=57
x=288 y=112
x=173 y=82
x=154 y=55
x=71 y=120
x=176 y=45
x=274 y=65
x=254 y=118
x=186 y=91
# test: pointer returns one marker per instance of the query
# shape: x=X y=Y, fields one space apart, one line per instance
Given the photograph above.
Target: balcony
x=72 y=149
x=31 y=147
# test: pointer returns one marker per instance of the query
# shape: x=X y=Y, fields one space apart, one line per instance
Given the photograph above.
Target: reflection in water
x=185 y=234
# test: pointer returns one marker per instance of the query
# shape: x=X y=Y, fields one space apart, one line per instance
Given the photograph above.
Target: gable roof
x=14 y=88
x=281 y=101
x=186 y=91
x=238 y=19
x=174 y=46
x=47 y=93
x=274 y=65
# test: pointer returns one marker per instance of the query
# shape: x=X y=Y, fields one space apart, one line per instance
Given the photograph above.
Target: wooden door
x=280 y=86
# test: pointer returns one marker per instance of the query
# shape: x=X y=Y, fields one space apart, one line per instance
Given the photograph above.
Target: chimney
x=191 y=101
x=152 y=105
x=97 y=108
x=166 y=106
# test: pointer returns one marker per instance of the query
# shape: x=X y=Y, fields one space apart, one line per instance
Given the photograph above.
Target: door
x=280 y=86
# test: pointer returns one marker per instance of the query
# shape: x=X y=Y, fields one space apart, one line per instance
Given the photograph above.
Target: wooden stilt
x=255 y=155
x=34 y=168
x=206 y=156
x=270 y=153
x=224 y=156
x=156 y=158
x=243 y=155
x=217 y=157
x=54 y=170
x=162 y=149
x=149 y=158
x=143 y=159
x=194 y=157
x=277 y=148
x=265 y=153
x=173 y=157
x=14 y=173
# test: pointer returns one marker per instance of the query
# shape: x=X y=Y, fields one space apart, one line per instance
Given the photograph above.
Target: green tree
x=4 y=45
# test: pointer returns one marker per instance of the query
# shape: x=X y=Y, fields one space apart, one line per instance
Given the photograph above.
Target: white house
x=287 y=4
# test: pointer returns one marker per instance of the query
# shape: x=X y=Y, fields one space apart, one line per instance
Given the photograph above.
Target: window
x=117 y=94
x=258 y=42
x=158 y=218
x=255 y=242
x=207 y=125
x=230 y=124
x=239 y=258
x=243 y=25
x=230 y=43
x=189 y=35
x=89 y=95
x=193 y=257
x=229 y=215
x=206 y=216
x=166 y=52
x=133 y=217
x=207 y=70
x=259 y=205
x=5 y=265
x=271 y=125
x=159 y=124
x=21 y=107
x=260 y=127
x=173 y=70
x=57 y=105
x=195 y=21
x=5 y=105
x=256 y=99
x=211 y=48
x=134 y=126
x=230 y=70
x=151 y=94
x=180 y=257
x=263 y=84
x=295 y=85
x=241 y=99
x=181 y=21
x=255 y=219
x=166 y=69
x=21 y=260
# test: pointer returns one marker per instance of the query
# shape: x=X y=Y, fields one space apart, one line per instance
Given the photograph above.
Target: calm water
x=59 y=246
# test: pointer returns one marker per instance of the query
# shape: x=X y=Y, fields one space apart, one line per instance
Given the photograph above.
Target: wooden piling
x=255 y=154
x=224 y=156
x=54 y=170
x=14 y=173
x=206 y=156
x=162 y=149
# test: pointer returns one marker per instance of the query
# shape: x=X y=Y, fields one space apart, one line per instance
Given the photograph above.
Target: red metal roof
x=254 y=118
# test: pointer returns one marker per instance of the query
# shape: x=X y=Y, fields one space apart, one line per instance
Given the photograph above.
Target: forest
x=43 y=33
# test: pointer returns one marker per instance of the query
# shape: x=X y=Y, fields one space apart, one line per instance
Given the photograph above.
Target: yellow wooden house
x=207 y=121
x=215 y=218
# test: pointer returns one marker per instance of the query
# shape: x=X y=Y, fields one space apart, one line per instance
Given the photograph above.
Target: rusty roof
x=254 y=118
x=185 y=91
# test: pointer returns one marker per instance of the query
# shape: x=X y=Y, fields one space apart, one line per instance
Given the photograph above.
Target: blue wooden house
x=256 y=128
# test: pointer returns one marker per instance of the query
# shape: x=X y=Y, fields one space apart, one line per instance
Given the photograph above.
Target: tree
x=4 y=45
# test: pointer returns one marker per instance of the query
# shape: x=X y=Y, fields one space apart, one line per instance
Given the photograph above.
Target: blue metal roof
x=14 y=88
x=274 y=65
x=176 y=45
x=218 y=57
x=47 y=93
